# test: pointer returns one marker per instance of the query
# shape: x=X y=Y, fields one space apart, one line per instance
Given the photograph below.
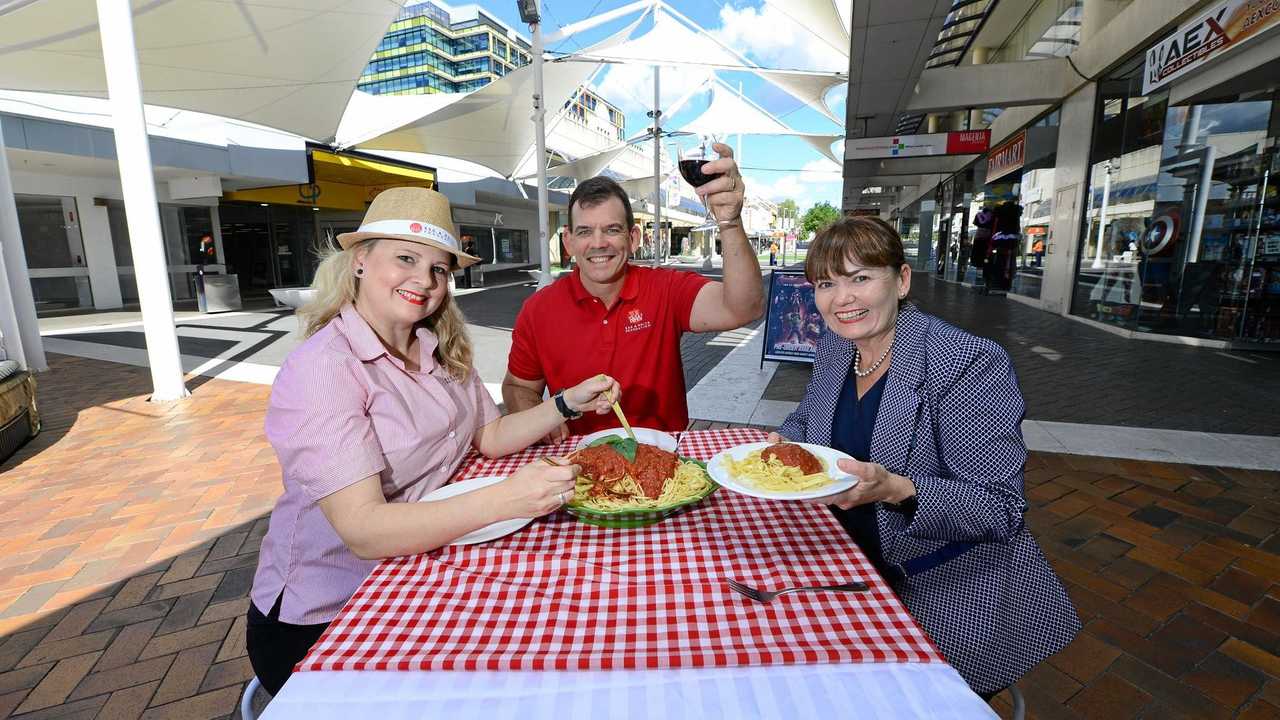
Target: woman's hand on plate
x=875 y=484
x=538 y=488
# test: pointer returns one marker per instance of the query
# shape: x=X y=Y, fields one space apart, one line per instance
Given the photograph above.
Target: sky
x=773 y=167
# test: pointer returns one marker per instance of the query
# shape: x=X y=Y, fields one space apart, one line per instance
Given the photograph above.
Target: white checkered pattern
x=563 y=595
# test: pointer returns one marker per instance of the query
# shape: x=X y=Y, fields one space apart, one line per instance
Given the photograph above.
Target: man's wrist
x=565 y=408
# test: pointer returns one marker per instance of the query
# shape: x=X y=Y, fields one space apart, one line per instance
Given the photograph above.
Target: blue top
x=851 y=429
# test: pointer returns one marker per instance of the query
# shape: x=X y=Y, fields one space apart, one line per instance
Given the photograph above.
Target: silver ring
x=565 y=497
x=733 y=184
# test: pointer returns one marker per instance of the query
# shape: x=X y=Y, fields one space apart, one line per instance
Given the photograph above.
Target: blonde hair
x=336 y=285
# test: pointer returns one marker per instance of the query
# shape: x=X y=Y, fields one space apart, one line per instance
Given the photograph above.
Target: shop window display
x=1182 y=230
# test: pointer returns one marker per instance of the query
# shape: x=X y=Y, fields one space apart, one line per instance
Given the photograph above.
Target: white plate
x=828 y=456
x=488 y=532
x=645 y=435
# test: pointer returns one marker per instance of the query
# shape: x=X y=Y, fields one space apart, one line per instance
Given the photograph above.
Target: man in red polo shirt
x=608 y=316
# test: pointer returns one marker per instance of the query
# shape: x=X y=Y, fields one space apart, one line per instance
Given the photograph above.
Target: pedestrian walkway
x=1087 y=391
x=131 y=530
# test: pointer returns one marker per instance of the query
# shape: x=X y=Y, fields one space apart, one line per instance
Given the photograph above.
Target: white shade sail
x=823 y=143
x=667 y=42
x=811 y=89
x=286 y=64
x=490 y=126
x=729 y=113
x=369 y=116
x=588 y=166
x=675 y=40
x=821 y=18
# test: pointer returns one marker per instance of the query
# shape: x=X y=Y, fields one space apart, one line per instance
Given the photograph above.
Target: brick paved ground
x=130 y=533
x=1072 y=372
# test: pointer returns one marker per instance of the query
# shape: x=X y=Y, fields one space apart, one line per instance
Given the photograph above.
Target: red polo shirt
x=564 y=335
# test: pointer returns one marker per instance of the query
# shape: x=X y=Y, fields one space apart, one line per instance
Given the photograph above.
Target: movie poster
x=792 y=323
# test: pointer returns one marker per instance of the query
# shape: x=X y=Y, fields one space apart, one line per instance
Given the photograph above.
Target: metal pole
x=657 y=167
x=119 y=55
x=1102 y=216
x=18 y=320
x=540 y=151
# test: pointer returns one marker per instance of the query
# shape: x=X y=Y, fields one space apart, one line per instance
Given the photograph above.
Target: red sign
x=965 y=142
x=1007 y=156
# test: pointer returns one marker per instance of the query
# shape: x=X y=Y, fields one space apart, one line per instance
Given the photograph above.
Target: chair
x=246 y=700
x=1019 y=704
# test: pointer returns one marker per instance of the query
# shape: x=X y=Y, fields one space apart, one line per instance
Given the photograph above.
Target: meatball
x=793 y=456
x=601 y=463
x=652 y=467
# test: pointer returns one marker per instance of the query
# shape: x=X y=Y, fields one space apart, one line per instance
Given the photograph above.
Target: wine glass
x=691 y=161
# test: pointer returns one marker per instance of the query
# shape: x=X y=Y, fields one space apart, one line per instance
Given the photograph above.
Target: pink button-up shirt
x=342 y=409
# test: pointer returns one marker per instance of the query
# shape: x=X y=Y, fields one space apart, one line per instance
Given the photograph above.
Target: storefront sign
x=1007 y=156
x=1214 y=32
x=962 y=142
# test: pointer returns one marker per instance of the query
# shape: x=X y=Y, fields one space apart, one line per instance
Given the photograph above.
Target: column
x=17 y=305
x=1071 y=182
x=981 y=55
x=100 y=254
x=119 y=54
x=933 y=123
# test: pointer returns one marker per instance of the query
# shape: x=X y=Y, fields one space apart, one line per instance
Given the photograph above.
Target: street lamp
x=530 y=12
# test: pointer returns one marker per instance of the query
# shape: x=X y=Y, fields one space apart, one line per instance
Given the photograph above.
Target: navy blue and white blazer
x=950 y=419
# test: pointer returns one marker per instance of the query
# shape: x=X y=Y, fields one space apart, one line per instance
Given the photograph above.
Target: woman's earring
x=359 y=272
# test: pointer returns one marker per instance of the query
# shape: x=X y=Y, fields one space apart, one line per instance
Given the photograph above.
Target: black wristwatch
x=563 y=407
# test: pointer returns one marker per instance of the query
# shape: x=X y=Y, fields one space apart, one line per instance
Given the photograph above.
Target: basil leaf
x=626 y=447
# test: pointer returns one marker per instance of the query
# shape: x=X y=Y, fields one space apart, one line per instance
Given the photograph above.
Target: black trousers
x=275 y=647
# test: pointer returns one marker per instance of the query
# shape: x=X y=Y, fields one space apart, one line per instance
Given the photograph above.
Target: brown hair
x=867 y=241
x=596 y=190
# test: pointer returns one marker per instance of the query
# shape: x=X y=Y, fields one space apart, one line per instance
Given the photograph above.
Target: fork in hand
x=768 y=596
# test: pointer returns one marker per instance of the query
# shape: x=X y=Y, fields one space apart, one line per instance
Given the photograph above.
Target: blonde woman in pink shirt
x=373 y=411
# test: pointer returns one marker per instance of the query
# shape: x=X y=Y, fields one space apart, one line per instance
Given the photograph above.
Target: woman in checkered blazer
x=933 y=415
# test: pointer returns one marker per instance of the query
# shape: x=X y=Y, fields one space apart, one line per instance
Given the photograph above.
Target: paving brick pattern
x=130 y=533
x=1076 y=373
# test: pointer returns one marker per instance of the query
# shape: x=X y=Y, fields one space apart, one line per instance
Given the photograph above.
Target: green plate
x=640 y=518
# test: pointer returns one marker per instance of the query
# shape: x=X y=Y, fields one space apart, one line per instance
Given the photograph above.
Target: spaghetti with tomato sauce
x=656 y=478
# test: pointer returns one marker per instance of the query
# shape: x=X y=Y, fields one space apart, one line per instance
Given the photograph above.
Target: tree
x=789 y=208
x=818 y=217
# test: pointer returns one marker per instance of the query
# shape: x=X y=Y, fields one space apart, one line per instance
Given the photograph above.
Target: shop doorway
x=267 y=246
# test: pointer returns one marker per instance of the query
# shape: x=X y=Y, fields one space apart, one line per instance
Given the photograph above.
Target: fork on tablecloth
x=765 y=596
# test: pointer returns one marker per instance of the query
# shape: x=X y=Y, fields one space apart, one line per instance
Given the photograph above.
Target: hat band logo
x=426 y=231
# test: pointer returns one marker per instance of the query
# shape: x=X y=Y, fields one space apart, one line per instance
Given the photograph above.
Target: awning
x=729 y=113
x=340 y=181
x=286 y=64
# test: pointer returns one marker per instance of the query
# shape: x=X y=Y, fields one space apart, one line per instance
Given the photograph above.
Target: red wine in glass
x=692 y=172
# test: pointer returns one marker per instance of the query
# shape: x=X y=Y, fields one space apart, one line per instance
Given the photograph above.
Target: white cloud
x=772 y=38
x=630 y=87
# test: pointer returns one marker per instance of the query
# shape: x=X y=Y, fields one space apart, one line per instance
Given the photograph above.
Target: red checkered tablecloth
x=563 y=595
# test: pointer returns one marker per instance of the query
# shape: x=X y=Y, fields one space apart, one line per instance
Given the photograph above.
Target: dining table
x=564 y=619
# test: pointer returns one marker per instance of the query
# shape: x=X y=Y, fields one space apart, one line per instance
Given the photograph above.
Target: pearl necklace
x=857 y=355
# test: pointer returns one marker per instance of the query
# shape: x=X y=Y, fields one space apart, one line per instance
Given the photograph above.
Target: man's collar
x=630 y=285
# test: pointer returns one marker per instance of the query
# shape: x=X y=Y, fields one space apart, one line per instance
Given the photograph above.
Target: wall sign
x=1008 y=156
x=962 y=142
x=1214 y=32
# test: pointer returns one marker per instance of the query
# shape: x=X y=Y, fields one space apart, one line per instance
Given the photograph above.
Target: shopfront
x=953 y=241
x=1181 y=229
x=1013 y=210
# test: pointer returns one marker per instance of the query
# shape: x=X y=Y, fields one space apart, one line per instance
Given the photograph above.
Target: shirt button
x=606 y=322
x=452 y=433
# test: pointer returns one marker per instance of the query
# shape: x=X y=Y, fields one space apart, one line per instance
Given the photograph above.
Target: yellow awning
x=340 y=182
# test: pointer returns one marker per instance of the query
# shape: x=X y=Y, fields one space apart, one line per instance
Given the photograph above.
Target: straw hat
x=412 y=214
